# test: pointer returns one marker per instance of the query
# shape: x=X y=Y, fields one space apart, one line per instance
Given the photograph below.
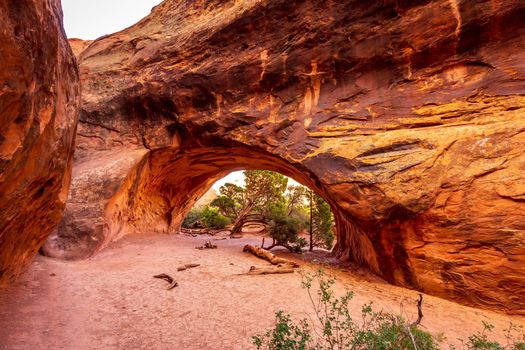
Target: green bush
x=193 y=219
x=322 y=223
x=284 y=229
x=334 y=328
x=211 y=218
x=515 y=339
x=286 y=335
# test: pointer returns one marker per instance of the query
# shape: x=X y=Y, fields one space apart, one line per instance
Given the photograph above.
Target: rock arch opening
x=156 y=193
x=264 y=204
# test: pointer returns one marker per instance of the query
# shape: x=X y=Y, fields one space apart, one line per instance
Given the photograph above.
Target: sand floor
x=112 y=302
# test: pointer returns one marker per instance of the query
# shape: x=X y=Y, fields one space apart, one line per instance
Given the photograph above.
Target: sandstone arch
x=408 y=116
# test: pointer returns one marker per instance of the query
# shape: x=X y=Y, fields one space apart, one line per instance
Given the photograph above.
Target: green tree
x=262 y=189
x=226 y=205
x=321 y=222
x=296 y=196
x=284 y=229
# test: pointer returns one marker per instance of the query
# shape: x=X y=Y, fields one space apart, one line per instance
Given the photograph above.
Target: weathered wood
x=187 y=266
x=266 y=255
x=168 y=279
x=239 y=222
x=201 y=231
x=419 y=311
x=269 y=270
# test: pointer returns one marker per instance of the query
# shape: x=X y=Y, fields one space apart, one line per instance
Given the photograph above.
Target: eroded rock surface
x=39 y=101
x=408 y=117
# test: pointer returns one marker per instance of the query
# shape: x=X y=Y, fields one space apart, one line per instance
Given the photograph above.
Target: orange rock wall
x=39 y=101
x=407 y=116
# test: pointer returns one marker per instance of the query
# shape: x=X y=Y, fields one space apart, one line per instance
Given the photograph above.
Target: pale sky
x=91 y=19
x=237 y=177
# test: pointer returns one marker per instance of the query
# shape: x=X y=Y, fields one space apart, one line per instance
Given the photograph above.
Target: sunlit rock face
x=39 y=101
x=407 y=116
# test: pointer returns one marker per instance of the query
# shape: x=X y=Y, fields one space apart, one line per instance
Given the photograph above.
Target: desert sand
x=111 y=301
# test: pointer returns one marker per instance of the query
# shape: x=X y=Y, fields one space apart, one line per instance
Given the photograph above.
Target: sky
x=91 y=19
x=237 y=177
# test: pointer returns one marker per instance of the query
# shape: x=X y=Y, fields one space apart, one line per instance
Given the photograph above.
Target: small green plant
x=334 y=328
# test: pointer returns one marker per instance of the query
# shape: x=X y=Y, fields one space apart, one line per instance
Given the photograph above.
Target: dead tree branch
x=419 y=311
x=269 y=270
x=207 y=245
x=168 y=279
x=187 y=266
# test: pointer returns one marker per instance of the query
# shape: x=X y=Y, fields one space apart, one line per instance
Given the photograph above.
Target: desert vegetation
x=334 y=328
x=291 y=213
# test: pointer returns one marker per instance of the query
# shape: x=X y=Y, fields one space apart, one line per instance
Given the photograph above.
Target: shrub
x=322 y=223
x=193 y=219
x=334 y=328
x=284 y=229
x=515 y=339
x=211 y=218
x=286 y=335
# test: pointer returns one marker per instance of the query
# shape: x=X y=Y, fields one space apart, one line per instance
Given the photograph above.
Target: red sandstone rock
x=406 y=116
x=39 y=100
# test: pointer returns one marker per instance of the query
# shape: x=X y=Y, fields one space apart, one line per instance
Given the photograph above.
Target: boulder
x=39 y=102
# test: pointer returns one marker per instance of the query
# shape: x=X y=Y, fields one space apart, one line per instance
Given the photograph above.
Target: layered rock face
x=39 y=101
x=407 y=116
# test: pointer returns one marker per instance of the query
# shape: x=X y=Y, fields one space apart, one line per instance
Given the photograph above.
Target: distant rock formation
x=39 y=101
x=206 y=198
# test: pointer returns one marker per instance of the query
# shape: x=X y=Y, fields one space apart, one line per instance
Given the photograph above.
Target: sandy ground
x=112 y=302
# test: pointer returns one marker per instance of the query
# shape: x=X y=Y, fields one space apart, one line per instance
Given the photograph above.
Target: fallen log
x=266 y=255
x=269 y=270
x=168 y=279
x=199 y=231
x=187 y=266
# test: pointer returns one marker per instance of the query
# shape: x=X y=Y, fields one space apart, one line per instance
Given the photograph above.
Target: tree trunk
x=311 y=221
x=239 y=222
x=266 y=255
